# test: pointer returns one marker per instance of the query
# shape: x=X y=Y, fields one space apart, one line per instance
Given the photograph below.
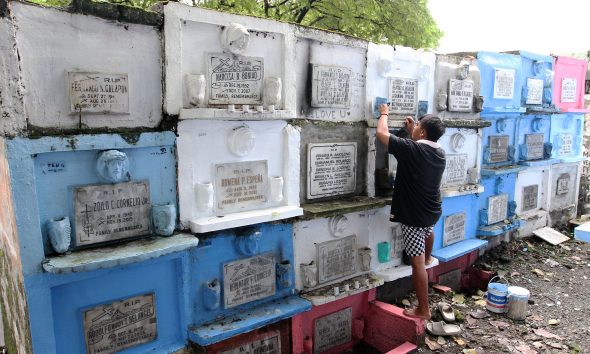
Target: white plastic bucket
x=497 y=299
x=518 y=300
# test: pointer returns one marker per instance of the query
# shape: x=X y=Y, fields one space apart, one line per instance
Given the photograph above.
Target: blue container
x=501 y=82
x=537 y=84
x=567 y=137
x=499 y=140
x=497 y=298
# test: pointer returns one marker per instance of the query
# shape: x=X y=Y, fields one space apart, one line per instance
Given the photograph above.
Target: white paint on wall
x=12 y=118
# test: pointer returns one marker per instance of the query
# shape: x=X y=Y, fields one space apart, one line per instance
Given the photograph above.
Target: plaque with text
x=269 y=344
x=563 y=184
x=535 y=144
x=568 y=89
x=534 y=91
x=107 y=212
x=241 y=185
x=248 y=279
x=403 y=95
x=454 y=229
x=336 y=259
x=331 y=169
x=497 y=208
x=398 y=242
x=235 y=79
x=98 y=93
x=460 y=95
x=504 y=84
x=565 y=144
x=498 y=145
x=332 y=330
x=330 y=86
x=455 y=170
x=112 y=327
x=530 y=197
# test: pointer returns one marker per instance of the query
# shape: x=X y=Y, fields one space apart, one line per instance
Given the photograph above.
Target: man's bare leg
x=429 y=242
x=420 y=282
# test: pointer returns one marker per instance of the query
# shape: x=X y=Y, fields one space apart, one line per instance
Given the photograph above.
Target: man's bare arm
x=382 y=128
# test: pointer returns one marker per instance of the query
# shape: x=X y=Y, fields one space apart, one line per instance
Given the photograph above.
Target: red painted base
x=267 y=339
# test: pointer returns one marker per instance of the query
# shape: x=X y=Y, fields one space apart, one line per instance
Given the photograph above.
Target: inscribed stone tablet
x=568 y=89
x=112 y=327
x=403 y=95
x=455 y=170
x=336 y=258
x=460 y=95
x=504 y=84
x=248 y=279
x=107 y=212
x=235 y=79
x=498 y=145
x=530 y=196
x=454 y=229
x=331 y=169
x=565 y=144
x=269 y=344
x=330 y=86
x=535 y=145
x=332 y=330
x=534 y=91
x=98 y=93
x=497 y=208
x=241 y=185
x=398 y=242
x=563 y=184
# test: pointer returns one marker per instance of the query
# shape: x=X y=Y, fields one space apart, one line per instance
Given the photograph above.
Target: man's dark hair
x=433 y=126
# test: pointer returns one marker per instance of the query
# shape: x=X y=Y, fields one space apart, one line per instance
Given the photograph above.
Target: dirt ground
x=558 y=317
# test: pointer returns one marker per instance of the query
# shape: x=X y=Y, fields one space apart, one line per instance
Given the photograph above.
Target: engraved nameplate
x=568 y=89
x=403 y=95
x=336 y=259
x=497 y=208
x=332 y=330
x=454 y=229
x=270 y=344
x=107 y=212
x=235 y=79
x=563 y=184
x=248 y=279
x=565 y=144
x=498 y=145
x=455 y=170
x=330 y=86
x=98 y=93
x=112 y=327
x=241 y=185
x=535 y=145
x=504 y=84
x=530 y=196
x=460 y=95
x=331 y=169
x=534 y=91
x=398 y=242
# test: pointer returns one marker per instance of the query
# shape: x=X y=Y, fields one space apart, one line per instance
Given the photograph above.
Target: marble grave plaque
x=336 y=259
x=535 y=145
x=460 y=95
x=497 y=208
x=113 y=327
x=235 y=79
x=241 y=186
x=331 y=169
x=248 y=279
x=498 y=145
x=332 y=330
x=563 y=184
x=92 y=92
x=565 y=144
x=403 y=95
x=108 y=212
x=530 y=196
x=330 y=86
x=456 y=169
x=398 y=242
x=454 y=228
x=568 y=89
x=534 y=91
x=269 y=344
x=504 y=84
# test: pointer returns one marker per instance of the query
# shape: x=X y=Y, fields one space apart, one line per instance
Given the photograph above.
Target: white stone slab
x=456 y=170
x=332 y=330
x=270 y=343
x=550 y=235
x=504 y=83
x=568 y=89
x=530 y=197
x=565 y=144
x=249 y=279
x=498 y=148
x=536 y=146
x=403 y=95
x=330 y=86
x=336 y=259
x=497 y=208
x=241 y=186
x=532 y=175
x=234 y=79
x=460 y=95
x=454 y=228
x=534 y=91
x=332 y=169
x=98 y=92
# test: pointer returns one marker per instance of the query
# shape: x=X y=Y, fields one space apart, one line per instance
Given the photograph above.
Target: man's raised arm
x=382 y=128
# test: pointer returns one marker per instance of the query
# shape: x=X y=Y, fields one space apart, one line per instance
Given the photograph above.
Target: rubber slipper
x=446 y=311
x=442 y=329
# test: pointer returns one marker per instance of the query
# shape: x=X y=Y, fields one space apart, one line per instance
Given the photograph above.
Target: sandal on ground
x=442 y=329
x=446 y=311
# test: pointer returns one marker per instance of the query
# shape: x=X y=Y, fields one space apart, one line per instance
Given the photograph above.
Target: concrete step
x=405 y=348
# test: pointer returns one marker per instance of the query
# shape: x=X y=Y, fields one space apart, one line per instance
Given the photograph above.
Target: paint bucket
x=497 y=298
x=518 y=301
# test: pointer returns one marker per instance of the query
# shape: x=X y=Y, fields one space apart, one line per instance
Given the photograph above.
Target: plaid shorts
x=414 y=239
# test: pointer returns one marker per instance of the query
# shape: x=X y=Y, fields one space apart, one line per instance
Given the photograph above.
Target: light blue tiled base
x=458 y=249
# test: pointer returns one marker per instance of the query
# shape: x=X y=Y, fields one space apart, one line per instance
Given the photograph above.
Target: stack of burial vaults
x=250 y=212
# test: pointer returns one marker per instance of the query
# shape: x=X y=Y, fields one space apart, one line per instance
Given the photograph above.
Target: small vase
x=59 y=231
x=276 y=189
x=365 y=255
x=204 y=196
x=164 y=219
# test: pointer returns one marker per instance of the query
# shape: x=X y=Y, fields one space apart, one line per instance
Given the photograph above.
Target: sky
x=538 y=26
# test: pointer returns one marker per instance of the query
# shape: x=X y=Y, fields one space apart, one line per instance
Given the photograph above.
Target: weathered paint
x=450 y=67
x=504 y=94
x=13 y=303
x=563 y=201
x=537 y=67
x=463 y=154
x=535 y=217
x=567 y=135
x=571 y=70
x=78 y=43
x=533 y=124
x=12 y=117
x=503 y=127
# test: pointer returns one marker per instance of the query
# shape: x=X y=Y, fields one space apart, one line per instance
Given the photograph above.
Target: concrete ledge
x=466 y=123
x=458 y=249
x=503 y=110
x=572 y=159
x=541 y=109
x=499 y=228
x=501 y=170
x=400 y=271
x=216 y=223
x=117 y=12
x=538 y=162
x=221 y=113
x=474 y=189
x=342 y=206
x=248 y=320
x=325 y=294
x=115 y=256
